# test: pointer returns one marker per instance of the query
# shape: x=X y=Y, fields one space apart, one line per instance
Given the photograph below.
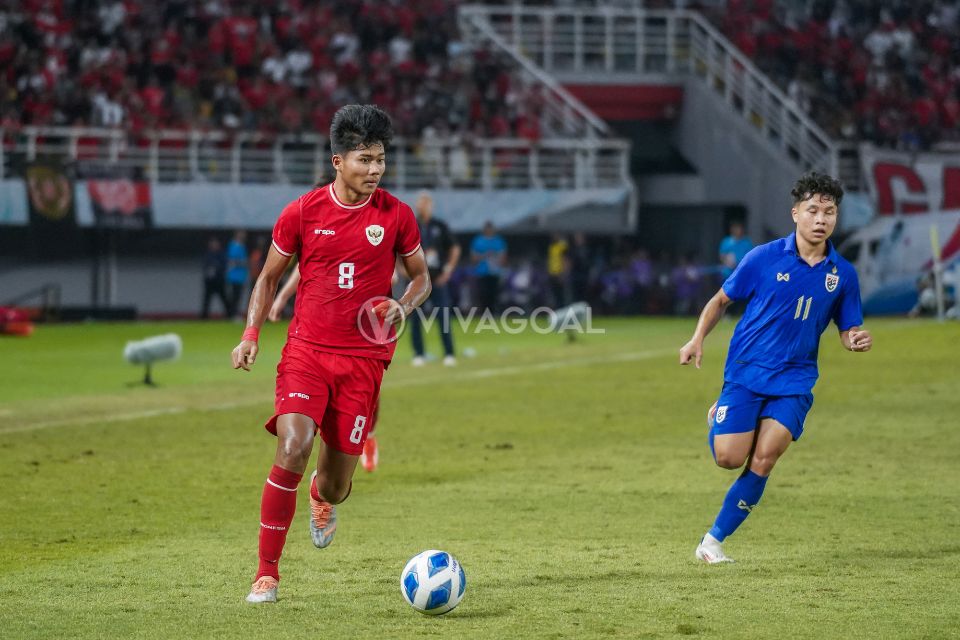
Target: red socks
x=277 y=507
x=315 y=494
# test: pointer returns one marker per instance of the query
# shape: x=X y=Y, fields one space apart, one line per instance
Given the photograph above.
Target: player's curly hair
x=813 y=183
x=359 y=125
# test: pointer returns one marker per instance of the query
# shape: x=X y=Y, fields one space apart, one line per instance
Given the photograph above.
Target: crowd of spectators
x=279 y=67
x=885 y=72
x=614 y=276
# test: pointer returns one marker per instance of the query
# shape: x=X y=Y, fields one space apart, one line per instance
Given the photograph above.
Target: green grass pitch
x=573 y=482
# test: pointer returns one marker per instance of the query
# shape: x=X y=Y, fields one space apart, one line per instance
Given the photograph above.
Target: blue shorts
x=740 y=410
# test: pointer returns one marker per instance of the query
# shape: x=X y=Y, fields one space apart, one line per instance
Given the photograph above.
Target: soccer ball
x=433 y=582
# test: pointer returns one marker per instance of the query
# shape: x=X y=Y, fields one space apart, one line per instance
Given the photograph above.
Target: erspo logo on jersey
x=373 y=323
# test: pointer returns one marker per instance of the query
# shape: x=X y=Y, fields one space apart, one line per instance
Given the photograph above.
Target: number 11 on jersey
x=804 y=308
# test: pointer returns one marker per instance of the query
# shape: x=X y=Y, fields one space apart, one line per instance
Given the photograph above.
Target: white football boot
x=263 y=590
x=323 y=520
x=710 y=550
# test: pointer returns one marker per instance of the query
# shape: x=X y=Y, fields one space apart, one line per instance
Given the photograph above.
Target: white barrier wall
x=256 y=207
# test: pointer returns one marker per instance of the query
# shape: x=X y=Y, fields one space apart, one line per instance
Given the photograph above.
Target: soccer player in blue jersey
x=793 y=287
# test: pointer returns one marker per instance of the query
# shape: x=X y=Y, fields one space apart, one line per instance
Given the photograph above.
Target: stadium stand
x=279 y=68
x=887 y=73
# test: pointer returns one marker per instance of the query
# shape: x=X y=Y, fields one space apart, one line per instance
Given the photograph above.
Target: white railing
x=235 y=157
x=562 y=114
x=615 y=44
x=604 y=40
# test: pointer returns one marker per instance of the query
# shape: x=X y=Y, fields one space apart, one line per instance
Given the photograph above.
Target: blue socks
x=742 y=497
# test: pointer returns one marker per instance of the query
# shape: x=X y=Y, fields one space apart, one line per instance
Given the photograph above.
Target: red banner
x=120 y=203
x=911 y=183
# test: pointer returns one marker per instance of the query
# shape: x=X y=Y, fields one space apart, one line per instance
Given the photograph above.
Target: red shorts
x=338 y=392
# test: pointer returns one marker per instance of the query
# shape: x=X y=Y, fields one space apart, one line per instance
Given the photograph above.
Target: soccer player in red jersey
x=370 y=457
x=347 y=236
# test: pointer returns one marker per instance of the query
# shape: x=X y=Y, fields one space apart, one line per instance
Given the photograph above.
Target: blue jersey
x=739 y=248
x=482 y=245
x=237 y=270
x=774 y=347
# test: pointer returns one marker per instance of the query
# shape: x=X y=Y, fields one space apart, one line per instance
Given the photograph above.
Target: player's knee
x=295 y=451
x=728 y=460
x=333 y=490
x=763 y=463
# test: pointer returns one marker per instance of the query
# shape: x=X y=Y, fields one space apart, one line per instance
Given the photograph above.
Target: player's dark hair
x=359 y=125
x=813 y=183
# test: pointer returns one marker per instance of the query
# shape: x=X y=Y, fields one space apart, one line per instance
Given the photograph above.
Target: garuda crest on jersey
x=832 y=281
x=375 y=234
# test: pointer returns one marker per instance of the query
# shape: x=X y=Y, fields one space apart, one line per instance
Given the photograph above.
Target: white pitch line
x=120 y=417
x=540 y=366
x=413 y=382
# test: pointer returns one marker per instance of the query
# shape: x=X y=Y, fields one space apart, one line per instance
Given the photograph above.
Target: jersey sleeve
x=408 y=233
x=286 y=232
x=741 y=284
x=849 y=312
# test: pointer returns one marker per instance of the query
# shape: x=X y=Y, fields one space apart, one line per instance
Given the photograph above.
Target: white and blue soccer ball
x=433 y=582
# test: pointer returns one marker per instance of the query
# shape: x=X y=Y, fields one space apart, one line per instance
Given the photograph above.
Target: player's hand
x=693 y=350
x=860 y=340
x=389 y=312
x=245 y=354
x=276 y=310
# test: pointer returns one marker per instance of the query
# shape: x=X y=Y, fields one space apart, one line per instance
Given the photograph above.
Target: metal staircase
x=616 y=44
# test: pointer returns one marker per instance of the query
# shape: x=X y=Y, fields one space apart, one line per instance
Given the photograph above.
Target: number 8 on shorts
x=357 y=434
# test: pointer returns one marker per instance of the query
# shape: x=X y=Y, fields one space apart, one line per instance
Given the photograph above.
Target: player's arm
x=420 y=286
x=417 y=291
x=709 y=317
x=245 y=353
x=288 y=289
x=399 y=271
x=856 y=339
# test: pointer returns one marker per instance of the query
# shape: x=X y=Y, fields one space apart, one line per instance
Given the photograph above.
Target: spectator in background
x=525 y=285
x=733 y=248
x=258 y=256
x=442 y=253
x=214 y=272
x=643 y=273
x=238 y=271
x=488 y=252
x=685 y=279
x=558 y=269
x=580 y=265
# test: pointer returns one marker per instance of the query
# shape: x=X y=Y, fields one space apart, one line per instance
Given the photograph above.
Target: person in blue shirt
x=733 y=248
x=793 y=287
x=238 y=270
x=488 y=252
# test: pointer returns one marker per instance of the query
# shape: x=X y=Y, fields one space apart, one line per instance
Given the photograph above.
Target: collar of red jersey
x=336 y=200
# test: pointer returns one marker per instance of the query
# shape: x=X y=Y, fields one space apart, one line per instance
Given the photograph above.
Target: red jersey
x=346 y=255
